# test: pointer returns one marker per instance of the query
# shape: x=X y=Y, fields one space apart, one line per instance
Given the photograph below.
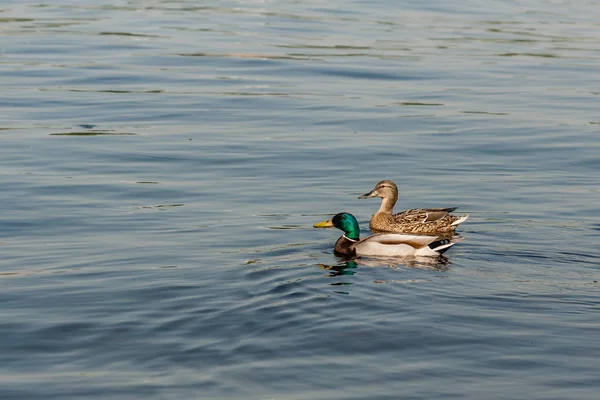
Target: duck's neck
x=352 y=234
x=387 y=204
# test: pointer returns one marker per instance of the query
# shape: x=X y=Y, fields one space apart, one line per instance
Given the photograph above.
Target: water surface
x=163 y=163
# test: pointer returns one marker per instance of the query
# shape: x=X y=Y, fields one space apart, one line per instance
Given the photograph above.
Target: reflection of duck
x=440 y=263
x=419 y=221
x=347 y=268
x=350 y=267
x=388 y=245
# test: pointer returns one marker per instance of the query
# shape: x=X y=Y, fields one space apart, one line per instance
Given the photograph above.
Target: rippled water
x=163 y=163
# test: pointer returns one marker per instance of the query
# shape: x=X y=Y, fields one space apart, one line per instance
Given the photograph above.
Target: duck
x=350 y=245
x=417 y=221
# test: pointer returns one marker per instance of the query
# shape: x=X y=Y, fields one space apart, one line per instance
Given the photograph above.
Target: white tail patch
x=460 y=220
x=427 y=251
x=444 y=247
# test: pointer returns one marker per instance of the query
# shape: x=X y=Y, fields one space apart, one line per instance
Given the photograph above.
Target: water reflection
x=441 y=263
x=350 y=267
x=345 y=268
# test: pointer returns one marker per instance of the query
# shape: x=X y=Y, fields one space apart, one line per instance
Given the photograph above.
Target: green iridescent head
x=345 y=222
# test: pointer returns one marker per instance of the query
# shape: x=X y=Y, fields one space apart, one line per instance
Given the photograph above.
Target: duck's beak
x=324 y=224
x=368 y=195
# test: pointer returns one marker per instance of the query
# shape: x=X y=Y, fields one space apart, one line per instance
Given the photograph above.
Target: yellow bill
x=324 y=224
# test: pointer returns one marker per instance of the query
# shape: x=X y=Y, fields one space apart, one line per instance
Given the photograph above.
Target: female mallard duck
x=418 y=221
x=388 y=244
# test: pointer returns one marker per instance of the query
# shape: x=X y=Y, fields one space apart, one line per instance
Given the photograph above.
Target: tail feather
x=441 y=246
x=460 y=220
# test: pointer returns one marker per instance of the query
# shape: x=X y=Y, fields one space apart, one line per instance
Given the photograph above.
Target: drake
x=386 y=245
x=419 y=221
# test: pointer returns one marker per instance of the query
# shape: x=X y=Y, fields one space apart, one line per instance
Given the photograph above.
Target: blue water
x=163 y=163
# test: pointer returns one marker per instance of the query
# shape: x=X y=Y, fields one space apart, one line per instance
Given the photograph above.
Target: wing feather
x=396 y=244
x=391 y=239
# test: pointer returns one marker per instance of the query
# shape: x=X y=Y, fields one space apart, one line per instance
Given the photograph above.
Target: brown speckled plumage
x=417 y=221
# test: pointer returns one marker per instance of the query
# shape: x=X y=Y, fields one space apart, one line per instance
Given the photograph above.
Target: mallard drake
x=387 y=245
x=419 y=221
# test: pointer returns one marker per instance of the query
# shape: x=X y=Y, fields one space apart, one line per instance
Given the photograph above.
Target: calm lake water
x=163 y=162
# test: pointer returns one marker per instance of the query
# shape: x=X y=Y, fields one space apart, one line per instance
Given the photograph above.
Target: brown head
x=388 y=191
x=384 y=189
